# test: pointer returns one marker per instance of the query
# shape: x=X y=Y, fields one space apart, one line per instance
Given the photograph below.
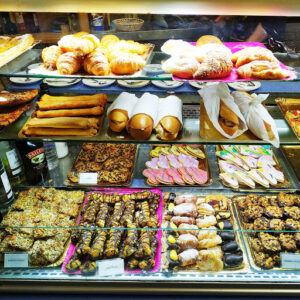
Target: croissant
x=261 y=69
x=127 y=46
x=215 y=65
x=86 y=44
x=96 y=63
x=68 y=63
x=67 y=43
x=247 y=55
x=108 y=39
x=50 y=56
x=127 y=63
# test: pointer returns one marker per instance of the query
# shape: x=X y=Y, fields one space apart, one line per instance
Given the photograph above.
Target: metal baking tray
x=203 y=164
x=241 y=269
x=279 y=185
x=286 y=104
x=247 y=238
x=292 y=154
x=126 y=183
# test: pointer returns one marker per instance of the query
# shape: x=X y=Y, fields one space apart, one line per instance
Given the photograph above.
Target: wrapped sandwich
x=223 y=111
x=169 y=118
x=257 y=117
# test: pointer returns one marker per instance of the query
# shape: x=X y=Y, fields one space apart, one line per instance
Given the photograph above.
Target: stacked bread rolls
x=100 y=58
x=141 y=116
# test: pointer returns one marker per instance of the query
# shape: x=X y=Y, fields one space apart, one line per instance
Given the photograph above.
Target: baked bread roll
x=168 y=128
x=127 y=63
x=176 y=47
x=228 y=120
x=127 y=46
x=68 y=63
x=140 y=126
x=67 y=43
x=207 y=39
x=210 y=49
x=215 y=65
x=108 y=39
x=118 y=119
x=249 y=54
x=50 y=56
x=261 y=69
x=181 y=66
x=86 y=44
x=96 y=63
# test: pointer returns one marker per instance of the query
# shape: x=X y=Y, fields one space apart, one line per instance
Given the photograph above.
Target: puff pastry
x=127 y=63
x=96 y=63
x=68 y=63
x=97 y=110
x=50 y=56
x=128 y=46
x=261 y=69
x=59 y=131
x=86 y=44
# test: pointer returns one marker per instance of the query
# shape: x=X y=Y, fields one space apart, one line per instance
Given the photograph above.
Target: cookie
x=199 y=176
x=156 y=152
x=229 y=168
x=164 y=177
x=173 y=161
x=163 y=162
x=177 y=177
x=253 y=174
x=174 y=150
x=151 y=175
x=226 y=155
x=194 y=150
x=229 y=180
x=266 y=160
x=245 y=179
x=165 y=151
x=250 y=161
x=188 y=161
x=182 y=150
x=152 y=164
x=186 y=176
x=266 y=173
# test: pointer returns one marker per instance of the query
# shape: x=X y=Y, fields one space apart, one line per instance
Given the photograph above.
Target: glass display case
x=132 y=210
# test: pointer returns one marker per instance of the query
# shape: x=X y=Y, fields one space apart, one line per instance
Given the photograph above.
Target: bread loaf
x=118 y=119
x=140 y=126
x=228 y=120
x=168 y=128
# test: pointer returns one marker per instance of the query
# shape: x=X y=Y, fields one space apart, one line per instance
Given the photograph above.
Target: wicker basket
x=128 y=24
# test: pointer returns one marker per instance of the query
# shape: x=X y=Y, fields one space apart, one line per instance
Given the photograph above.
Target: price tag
x=290 y=260
x=16 y=260
x=109 y=267
x=88 y=178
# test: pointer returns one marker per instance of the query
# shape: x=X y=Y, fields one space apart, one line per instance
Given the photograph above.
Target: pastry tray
x=247 y=238
x=33 y=116
x=242 y=187
x=292 y=154
x=40 y=70
x=241 y=269
x=204 y=165
x=126 y=183
x=68 y=242
x=286 y=104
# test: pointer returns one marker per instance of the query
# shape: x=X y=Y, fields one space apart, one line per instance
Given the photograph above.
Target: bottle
x=6 y=193
x=51 y=155
x=12 y=163
x=62 y=149
x=35 y=164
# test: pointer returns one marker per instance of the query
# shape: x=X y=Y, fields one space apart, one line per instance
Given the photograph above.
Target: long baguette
x=57 y=131
x=97 y=110
x=64 y=122
x=59 y=102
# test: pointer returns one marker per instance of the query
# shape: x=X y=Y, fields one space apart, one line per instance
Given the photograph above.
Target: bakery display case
x=154 y=154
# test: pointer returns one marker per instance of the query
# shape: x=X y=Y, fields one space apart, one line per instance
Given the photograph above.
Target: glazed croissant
x=50 y=55
x=247 y=55
x=127 y=63
x=68 y=63
x=86 y=44
x=261 y=69
x=215 y=65
x=96 y=63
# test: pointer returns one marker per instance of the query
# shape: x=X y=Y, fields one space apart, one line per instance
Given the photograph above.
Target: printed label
x=88 y=178
x=5 y=182
x=290 y=260
x=109 y=267
x=16 y=260
x=13 y=159
x=15 y=172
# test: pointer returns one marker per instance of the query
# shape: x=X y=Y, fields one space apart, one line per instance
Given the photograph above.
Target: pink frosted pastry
x=266 y=160
x=188 y=161
x=185 y=175
x=267 y=173
x=250 y=161
x=164 y=177
x=173 y=161
x=151 y=175
x=198 y=175
x=163 y=162
x=177 y=177
x=152 y=164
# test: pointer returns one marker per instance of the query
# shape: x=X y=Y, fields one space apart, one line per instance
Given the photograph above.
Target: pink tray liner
x=234 y=47
x=72 y=247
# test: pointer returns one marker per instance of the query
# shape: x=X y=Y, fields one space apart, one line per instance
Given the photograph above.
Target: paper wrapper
x=170 y=106
x=148 y=105
x=125 y=101
x=211 y=98
x=255 y=113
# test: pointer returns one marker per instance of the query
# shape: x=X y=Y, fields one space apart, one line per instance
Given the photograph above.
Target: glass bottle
x=6 y=193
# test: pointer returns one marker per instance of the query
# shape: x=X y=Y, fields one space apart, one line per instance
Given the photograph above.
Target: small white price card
x=16 y=260
x=290 y=260
x=88 y=178
x=109 y=267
